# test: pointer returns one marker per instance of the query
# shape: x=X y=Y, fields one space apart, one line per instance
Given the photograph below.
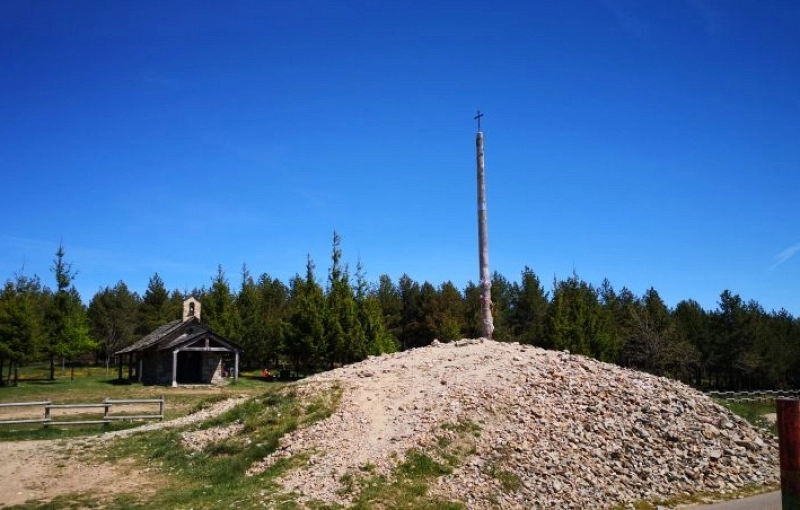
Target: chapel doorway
x=190 y=367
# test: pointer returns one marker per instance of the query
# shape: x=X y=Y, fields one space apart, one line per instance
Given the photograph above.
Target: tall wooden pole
x=483 y=239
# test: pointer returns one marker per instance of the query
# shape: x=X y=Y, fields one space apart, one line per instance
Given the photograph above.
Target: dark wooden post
x=47 y=413
x=789 y=446
x=106 y=409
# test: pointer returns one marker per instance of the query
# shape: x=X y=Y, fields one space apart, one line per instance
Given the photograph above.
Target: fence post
x=789 y=446
x=106 y=407
x=161 y=408
x=47 y=413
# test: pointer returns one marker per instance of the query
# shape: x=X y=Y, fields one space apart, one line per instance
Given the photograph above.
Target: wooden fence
x=754 y=396
x=106 y=407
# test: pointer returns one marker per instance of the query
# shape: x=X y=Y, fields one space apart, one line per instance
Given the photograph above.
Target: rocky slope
x=555 y=430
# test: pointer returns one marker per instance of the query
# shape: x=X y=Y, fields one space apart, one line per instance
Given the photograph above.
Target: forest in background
x=310 y=324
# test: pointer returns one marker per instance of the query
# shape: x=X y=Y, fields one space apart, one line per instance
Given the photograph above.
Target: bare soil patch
x=43 y=470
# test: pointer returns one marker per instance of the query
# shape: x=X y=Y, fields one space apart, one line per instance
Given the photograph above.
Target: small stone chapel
x=182 y=352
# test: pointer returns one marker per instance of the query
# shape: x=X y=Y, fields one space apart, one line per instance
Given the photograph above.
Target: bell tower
x=191 y=309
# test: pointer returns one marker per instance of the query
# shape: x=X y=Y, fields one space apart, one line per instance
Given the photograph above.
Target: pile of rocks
x=197 y=440
x=568 y=431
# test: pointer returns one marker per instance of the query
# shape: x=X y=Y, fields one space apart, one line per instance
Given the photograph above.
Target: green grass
x=510 y=482
x=407 y=486
x=405 y=489
x=463 y=427
x=213 y=477
x=752 y=411
x=92 y=385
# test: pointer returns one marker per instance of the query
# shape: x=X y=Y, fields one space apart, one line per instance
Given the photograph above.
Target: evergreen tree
x=502 y=297
x=391 y=303
x=781 y=352
x=751 y=365
x=305 y=339
x=175 y=304
x=411 y=334
x=577 y=322
x=112 y=318
x=20 y=324
x=76 y=340
x=248 y=308
x=528 y=310
x=444 y=312
x=473 y=319
x=219 y=310
x=692 y=327
x=274 y=296
x=650 y=335
x=425 y=332
x=345 y=336
x=156 y=308
x=370 y=316
x=68 y=327
x=730 y=340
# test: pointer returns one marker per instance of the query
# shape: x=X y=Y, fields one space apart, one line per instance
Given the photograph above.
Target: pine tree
x=443 y=312
x=305 y=338
x=528 y=310
x=391 y=305
x=411 y=320
x=650 y=336
x=273 y=297
x=247 y=304
x=473 y=320
x=577 y=322
x=345 y=336
x=68 y=327
x=692 y=327
x=112 y=318
x=20 y=324
x=370 y=316
x=502 y=296
x=219 y=310
x=156 y=308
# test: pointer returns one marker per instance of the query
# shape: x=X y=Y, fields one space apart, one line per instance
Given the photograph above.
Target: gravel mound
x=556 y=430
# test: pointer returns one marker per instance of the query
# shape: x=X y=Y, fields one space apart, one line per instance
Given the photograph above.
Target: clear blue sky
x=650 y=143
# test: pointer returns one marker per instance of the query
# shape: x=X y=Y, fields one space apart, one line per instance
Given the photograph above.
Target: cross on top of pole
x=478 y=118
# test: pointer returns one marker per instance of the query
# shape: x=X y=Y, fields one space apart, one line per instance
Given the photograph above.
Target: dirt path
x=43 y=470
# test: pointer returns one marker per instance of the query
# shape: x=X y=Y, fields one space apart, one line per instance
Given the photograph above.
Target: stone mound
x=568 y=431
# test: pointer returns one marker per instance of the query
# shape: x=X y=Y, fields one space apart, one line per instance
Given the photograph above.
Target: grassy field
x=92 y=385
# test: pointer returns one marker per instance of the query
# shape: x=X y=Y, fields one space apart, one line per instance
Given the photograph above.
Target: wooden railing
x=753 y=396
x=106 y=406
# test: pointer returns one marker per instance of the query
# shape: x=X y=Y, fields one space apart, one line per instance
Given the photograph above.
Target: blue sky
x=656 y=144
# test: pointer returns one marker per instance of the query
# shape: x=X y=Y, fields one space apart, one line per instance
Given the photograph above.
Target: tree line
x=312 y=325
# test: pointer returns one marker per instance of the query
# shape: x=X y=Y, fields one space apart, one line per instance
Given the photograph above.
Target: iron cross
x=478 y=118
